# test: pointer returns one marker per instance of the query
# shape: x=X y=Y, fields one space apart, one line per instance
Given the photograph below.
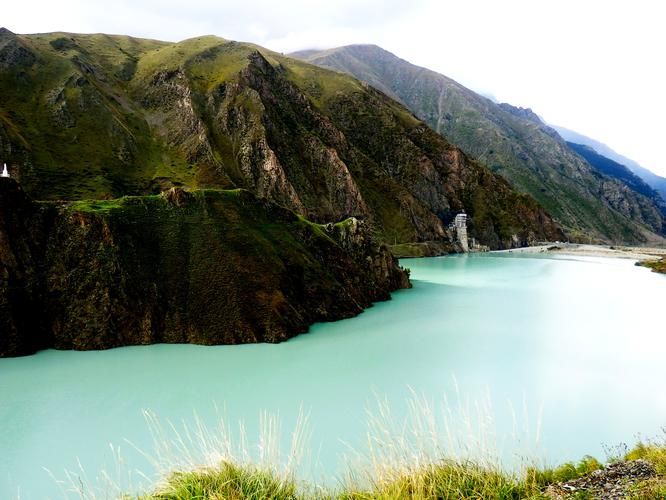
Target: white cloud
x=594 y=66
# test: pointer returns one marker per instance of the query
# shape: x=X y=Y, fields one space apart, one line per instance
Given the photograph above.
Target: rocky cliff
x=207 y=267
x=97 y=116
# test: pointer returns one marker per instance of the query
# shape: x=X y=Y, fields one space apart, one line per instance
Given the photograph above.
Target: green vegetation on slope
x=64 y=96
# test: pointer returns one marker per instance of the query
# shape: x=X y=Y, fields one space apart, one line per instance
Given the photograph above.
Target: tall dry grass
x=443 y=450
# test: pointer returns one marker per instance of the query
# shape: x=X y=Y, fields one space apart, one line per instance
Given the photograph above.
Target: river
x=566 y=353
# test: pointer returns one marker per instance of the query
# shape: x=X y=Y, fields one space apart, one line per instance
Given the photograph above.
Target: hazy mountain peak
x=521 y=112
x=342 y=48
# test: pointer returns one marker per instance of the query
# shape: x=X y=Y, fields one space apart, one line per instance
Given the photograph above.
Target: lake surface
x=575 y=347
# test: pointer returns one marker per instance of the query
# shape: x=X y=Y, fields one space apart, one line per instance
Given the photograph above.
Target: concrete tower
x=460 y=223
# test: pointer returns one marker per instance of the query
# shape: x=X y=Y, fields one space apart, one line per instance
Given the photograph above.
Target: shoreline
x=640 y=254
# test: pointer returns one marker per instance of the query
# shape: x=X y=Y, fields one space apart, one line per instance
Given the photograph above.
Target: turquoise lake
x=568 y=351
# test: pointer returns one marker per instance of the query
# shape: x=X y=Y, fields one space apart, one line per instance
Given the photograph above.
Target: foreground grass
x=654 y=453
x=404 y=459
x=226 y=481
x=450 y=480
x=413 y=457
x=445 y=480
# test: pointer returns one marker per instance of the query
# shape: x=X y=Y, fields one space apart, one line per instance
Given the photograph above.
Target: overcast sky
x=594 y=66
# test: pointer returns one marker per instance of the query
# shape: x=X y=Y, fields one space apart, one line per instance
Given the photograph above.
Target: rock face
x=207 y=267
x=96 y=116
x=512 y=141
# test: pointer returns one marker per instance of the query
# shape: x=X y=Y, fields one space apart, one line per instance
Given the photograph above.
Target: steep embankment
x=96 y=116
x=512 y=141
x=208 y=267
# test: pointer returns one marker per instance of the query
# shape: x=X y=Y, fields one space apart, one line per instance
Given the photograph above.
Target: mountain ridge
x=657 y=182
x=527 y=152
x=612 y=168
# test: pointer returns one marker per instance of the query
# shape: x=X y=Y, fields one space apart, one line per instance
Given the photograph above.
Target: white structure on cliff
x=5 y=172
x=459 y=227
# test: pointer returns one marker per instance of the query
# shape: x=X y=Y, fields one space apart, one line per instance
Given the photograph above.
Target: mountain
x=512 y=141
x=653 y=180
x=99 y=116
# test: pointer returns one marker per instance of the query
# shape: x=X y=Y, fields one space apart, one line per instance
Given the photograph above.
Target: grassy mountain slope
x=97 y=116
x=655 y=181
x=511 y=141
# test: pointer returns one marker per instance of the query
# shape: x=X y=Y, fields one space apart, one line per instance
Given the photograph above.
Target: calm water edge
x=574 y=346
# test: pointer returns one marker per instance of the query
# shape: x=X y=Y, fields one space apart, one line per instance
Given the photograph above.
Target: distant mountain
x=613 y=169
x=655 y=181
x=512 y=141
x=100 y=116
